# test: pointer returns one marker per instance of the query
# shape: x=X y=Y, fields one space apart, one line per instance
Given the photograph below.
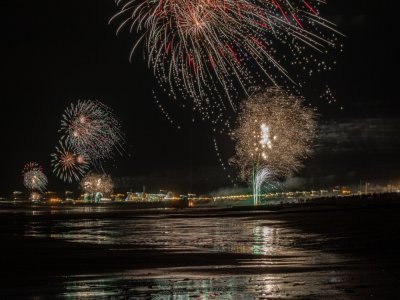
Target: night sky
x=56 y=52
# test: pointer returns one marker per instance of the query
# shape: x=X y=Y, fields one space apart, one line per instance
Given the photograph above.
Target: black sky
x=55 y=52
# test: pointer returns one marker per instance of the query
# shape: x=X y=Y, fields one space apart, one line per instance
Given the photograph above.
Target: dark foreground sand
x=332 y=249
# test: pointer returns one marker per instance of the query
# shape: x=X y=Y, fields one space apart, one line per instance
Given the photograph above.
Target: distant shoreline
x=176 y=208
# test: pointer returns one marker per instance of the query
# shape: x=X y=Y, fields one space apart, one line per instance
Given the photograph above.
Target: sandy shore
x=331 y=249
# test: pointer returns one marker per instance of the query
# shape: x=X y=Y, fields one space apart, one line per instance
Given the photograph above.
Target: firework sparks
x=97 y=183
x=275 y=133
x=34 y=178
x=91 y=128
x=198 y=48
x=259 y=178
x=68 y=165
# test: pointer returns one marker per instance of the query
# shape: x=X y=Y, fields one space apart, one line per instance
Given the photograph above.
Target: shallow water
x=168 y=256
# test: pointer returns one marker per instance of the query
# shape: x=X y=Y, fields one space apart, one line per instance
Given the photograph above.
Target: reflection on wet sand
x=221 y=287
x=231 y=235
x=108 y=252
x=272 y=248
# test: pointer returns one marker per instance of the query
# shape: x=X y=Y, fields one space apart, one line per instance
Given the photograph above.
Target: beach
x=320 y=250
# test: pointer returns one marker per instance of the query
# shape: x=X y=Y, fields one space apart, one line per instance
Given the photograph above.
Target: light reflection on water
x=232 y=235
x=221 y=287
x=41 y=210
x=270 y=242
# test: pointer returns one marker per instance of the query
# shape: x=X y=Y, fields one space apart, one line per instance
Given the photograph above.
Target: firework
x=34 y=178
x=91 y=128
x=97 y=183
x=198 y=48
x=69 y=165
x=259 y=177
x=275 y=132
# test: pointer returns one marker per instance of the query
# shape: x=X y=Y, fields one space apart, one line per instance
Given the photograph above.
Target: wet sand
x=334 y=249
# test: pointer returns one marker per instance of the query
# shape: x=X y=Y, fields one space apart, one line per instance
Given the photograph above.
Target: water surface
x=110 y=252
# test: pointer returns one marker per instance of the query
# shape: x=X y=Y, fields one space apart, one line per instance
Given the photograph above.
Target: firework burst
x=97 y=183
x=92 y=129
x=198 y=48
x=34 y=178
x=259 y=177
x=275 y=133
x=69 y=165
